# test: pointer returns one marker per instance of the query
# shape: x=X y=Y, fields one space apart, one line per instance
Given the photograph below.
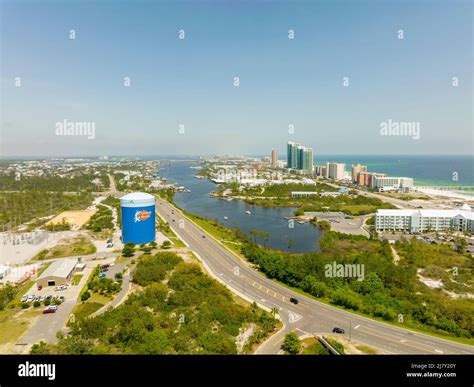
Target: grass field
x=67 y=248
x=93 y=304
x=76 y=279
x=15 y=321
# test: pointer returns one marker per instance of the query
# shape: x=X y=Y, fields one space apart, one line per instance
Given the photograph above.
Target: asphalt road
x=308 y=316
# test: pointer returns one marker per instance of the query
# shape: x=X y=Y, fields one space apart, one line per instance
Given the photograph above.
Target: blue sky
x=190 y=81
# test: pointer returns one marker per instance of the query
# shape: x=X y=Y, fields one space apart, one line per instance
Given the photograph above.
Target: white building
x=387 y=183
x=461 y=219
x=335 y=171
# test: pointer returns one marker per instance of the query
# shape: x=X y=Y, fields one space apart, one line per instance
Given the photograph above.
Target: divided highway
x=308 y=316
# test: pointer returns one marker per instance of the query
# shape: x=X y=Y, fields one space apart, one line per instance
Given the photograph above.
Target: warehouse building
x=58 y=273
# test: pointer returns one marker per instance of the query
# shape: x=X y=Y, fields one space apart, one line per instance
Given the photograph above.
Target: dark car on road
x=338 y=330
x=203 y=236
x=294 y=300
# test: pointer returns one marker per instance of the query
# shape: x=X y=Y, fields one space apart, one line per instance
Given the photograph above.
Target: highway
x=308 y=316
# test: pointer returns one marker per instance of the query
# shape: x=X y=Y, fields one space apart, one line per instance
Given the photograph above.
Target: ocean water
x=425 y=170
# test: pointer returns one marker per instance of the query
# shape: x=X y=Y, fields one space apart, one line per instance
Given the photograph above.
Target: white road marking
x=357 y=326
x=438 y=351
x=293 y=317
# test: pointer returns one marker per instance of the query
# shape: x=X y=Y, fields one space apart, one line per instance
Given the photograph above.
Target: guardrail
x=327 y=345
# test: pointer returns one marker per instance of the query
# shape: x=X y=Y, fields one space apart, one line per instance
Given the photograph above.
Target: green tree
x=166 y=244
x=128 y=251
x=291 y=344
x=85 y=296
x=460 y=245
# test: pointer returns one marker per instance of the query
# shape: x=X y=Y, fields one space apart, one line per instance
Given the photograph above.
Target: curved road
x=308 y=316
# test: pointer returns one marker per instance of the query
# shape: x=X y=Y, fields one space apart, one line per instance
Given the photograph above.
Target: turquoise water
x=425 y=170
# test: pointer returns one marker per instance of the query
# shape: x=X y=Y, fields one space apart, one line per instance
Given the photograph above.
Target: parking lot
x=47 y=325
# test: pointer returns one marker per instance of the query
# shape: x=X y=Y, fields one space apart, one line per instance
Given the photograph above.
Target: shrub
x=85 y=296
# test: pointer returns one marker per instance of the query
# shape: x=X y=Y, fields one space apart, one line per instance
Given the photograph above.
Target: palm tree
x=274 y=311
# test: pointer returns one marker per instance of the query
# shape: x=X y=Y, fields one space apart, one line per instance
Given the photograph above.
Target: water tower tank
x=138 y=217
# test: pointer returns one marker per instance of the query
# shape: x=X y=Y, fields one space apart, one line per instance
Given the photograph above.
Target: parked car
x=338 y=330
x=101 y=275
x=49 y=297
x=62 y=298
x=24 y=298
x=104 y=266
x=110 y=240
x=40 y=287
x=49 y=309
x=30 y=298
x=63 y=287
x=294 y=300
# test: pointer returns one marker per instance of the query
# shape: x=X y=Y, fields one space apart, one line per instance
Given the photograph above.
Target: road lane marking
x=357 y=326
x=438 y=351
x=396 y=341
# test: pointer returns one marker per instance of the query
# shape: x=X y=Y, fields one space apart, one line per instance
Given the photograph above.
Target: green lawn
x=76 y=279
x=13 y=326
x=71 y=247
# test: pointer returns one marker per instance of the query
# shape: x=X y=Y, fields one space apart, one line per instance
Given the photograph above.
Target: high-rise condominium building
x=335 y=170
x=274 y=158
x=292 y=155
x=299 y=157
x=356 y=169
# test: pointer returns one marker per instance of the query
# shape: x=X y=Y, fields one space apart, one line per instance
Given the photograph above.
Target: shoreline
x=451 y=194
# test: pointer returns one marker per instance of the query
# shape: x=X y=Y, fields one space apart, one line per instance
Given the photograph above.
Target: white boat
x=248 y=212
x=225 y=217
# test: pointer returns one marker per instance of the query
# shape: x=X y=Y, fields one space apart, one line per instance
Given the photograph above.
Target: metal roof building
x=58 y=273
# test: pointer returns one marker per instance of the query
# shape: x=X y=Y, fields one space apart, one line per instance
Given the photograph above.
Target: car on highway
x=294 y=300
x=203 y=236
x=338 y=330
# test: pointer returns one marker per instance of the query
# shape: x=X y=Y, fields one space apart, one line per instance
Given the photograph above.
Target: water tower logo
x=142 y=215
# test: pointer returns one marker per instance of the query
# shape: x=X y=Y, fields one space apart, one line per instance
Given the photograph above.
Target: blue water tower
x=138 y=218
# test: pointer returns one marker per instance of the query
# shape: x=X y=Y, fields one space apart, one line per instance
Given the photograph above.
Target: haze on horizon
x=190 y=81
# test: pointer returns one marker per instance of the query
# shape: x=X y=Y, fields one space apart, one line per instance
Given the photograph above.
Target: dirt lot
x=74 y=218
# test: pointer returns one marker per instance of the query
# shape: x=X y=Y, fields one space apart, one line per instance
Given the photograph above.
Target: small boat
x=225 y=217
x=248 y=212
